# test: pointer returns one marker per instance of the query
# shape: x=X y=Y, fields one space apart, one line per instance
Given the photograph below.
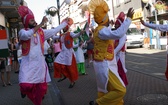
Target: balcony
x=9 y=8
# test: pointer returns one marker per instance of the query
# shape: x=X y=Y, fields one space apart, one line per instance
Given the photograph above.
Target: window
x=127 y=1
x=118 y=2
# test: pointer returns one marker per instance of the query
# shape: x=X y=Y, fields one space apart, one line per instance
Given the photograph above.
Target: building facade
x=78 y=10
x=150 y=11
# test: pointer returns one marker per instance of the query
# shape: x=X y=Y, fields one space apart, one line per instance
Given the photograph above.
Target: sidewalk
x=10 y=95
x=144 y=50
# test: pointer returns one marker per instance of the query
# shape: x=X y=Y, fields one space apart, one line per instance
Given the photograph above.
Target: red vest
x=116 y=44
x=68 y=40
x=26 y=43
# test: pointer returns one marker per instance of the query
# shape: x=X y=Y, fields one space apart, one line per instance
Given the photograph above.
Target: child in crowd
x=77 y=45
x=49 y=59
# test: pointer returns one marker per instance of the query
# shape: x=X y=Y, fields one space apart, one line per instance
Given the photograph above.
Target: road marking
x=138 y=63
x=145 y=56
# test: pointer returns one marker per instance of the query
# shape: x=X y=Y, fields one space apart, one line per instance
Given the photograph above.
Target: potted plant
x=51 y=11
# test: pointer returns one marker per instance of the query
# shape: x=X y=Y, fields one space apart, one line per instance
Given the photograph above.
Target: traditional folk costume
x=160 y=28
x=79 y=55
x=119 y=50
x=65 y=63
x=33 y=74
x=111 y=88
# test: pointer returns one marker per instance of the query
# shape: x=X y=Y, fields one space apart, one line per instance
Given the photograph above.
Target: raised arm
x=26 y=34
x=56 y=37
x=75 y=35
x=107 y=33
x=51 y=32
x=155 y=26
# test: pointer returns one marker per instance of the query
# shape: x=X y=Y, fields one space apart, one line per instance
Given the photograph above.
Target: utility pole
x=58 y=6
x=157 y=34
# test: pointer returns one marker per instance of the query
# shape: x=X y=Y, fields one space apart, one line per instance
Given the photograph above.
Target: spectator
x=56 y=47
x=15 y=57
x=90 y=46
x=5 y=68
x=77 y=46
x=49 y=59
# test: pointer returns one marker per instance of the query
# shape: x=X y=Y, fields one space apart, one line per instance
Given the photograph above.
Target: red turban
x=26 y=14
x=120 y=19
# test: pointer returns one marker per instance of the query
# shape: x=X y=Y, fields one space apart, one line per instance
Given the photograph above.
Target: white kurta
x=33 y=68
x=65 y=56
x=79 y=53
x=102 y=68
x=157 y=26
x=120 y=54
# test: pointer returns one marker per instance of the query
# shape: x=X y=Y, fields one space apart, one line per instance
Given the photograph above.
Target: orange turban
x=99 y=9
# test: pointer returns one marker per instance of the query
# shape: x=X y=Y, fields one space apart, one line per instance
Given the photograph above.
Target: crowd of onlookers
x=51 y=50
x=10 y=63
x=53 y=47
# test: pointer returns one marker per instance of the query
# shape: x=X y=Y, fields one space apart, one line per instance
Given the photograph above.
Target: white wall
x=2 y=19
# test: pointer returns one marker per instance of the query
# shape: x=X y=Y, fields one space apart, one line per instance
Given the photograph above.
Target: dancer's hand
x=130 y=13
x=111 y=22
x=82 y=32
x=142 y=21
x=44 y=20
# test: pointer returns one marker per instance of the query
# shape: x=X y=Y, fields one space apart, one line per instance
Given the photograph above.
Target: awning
x=159 y=17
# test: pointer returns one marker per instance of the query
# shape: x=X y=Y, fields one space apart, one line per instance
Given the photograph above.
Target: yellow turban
x=99 y=9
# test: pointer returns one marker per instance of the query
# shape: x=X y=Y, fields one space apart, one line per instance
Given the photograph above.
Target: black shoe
x=91 y=103
x=9 y=84
x=61 y=79
x=4 y=85
x=71 y=85
x=16 y=71
x=23 y=95
x=84 y=74
x=43 y=97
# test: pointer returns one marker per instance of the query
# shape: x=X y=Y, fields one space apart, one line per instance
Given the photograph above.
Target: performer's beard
x=32 y=25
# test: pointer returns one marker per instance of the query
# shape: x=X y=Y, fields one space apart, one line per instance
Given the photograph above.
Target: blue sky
x=38 y=7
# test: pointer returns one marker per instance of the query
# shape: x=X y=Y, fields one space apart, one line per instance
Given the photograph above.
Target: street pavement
x=147 y=84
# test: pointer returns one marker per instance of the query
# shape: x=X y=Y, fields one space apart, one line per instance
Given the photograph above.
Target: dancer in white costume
x=33 y=74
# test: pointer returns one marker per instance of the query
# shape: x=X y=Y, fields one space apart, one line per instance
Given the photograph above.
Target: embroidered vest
x=116 y=44
x=26 y=43
x=103 y=49
x=68 y=40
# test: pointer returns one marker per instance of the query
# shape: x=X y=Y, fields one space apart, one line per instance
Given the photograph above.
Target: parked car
x=134 y=37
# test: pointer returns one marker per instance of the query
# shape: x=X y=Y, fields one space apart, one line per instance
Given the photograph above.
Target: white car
x=134 y=37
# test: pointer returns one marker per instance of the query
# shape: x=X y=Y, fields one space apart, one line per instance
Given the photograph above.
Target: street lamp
x=58 y=6
x=145 y=1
